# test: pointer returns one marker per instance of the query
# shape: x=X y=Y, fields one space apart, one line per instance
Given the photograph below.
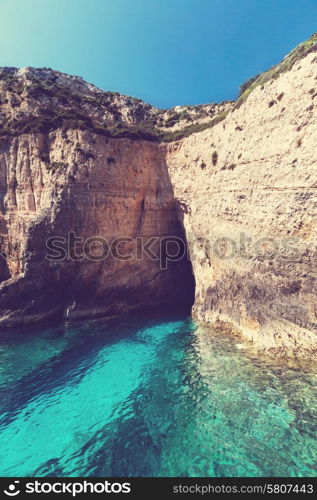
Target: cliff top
x=41 y=100
x=301 y=51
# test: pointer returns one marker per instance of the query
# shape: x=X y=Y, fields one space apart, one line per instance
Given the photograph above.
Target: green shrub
x=191 y=129
x=302 y=50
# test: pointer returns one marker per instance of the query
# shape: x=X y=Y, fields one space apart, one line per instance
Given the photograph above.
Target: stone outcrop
x=238 y=185
x=250 y=185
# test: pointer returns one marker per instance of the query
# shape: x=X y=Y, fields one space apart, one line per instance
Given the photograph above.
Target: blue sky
x=167 y=52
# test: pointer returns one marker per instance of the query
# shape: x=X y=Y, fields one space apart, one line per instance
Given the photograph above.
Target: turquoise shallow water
x=139 y=397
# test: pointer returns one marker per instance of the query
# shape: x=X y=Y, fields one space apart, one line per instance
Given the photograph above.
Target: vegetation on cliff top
x=59 y=105
x=52 y=120
x=62 y=101
x=301 y=51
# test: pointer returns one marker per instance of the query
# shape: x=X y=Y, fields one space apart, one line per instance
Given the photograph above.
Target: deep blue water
x=139 y=397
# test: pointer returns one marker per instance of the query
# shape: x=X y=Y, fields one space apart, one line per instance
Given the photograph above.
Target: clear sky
x=166 y=52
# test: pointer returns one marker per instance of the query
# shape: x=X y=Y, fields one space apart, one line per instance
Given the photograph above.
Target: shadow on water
x=43 y=359
x=153 y=397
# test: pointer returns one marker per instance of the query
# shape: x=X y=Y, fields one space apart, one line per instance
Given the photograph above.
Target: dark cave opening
x=182 y=275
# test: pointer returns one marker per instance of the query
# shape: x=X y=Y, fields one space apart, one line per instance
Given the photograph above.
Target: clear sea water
x=160 y=397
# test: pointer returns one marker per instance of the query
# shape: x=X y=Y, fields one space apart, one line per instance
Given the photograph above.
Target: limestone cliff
x=250 y=185
x=236 y=180
x=91 y=187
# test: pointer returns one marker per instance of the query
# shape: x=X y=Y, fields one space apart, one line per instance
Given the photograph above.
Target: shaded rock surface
x=112 y=189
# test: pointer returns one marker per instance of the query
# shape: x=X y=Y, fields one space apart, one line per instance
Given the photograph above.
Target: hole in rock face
x=182 y=280
x=187 y=287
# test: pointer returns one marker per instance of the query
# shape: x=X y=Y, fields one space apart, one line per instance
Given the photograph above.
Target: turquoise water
x=139 y=397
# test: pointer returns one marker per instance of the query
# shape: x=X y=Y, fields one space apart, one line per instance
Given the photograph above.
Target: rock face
x=238 y=186
x=250 y=187
x=90 y=187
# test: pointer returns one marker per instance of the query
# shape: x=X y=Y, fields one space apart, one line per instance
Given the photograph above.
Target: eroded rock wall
x=93 y=187
x=250 y=188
